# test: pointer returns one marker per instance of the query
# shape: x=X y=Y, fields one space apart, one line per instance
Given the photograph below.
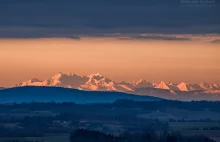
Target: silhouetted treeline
x=95 y=136
x=163 y=104
x=148 y=106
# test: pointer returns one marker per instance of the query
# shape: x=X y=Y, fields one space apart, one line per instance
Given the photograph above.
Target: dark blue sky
x=70 y=18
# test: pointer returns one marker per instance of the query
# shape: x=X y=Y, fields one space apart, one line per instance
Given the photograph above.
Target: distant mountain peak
x=166 y=85
x=141 y=81
x=99 y=82
x=184 y=83
x=31 y=82
x=96 y=75
x=163 y=85
x=216 y=86
x=184 y=86
x=204 y=83
x=206 y=86
x=70 y=74
x=58 y=74
x=35 y=80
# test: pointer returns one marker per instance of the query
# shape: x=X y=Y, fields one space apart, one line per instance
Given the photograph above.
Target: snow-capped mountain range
x=100 y=83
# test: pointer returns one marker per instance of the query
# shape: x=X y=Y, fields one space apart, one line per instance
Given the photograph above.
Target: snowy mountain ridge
x=99 y=82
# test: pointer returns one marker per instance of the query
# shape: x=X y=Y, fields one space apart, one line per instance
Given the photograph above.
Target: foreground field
x=214 y=134
x=52 y=122
x=46 y=138
x=192 y=125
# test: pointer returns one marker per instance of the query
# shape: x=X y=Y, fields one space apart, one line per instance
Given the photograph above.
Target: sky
x=155 y=40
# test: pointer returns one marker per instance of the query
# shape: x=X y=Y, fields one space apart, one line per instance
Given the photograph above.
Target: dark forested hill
x=56 y=94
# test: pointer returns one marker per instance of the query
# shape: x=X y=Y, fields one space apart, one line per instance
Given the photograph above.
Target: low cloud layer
x=156 y=37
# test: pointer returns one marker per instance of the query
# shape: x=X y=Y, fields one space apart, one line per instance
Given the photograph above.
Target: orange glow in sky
x=189 y=61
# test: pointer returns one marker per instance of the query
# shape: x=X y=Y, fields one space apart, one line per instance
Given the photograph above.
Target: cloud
x=156 y=37
x=48 y=18
x=216 y=41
